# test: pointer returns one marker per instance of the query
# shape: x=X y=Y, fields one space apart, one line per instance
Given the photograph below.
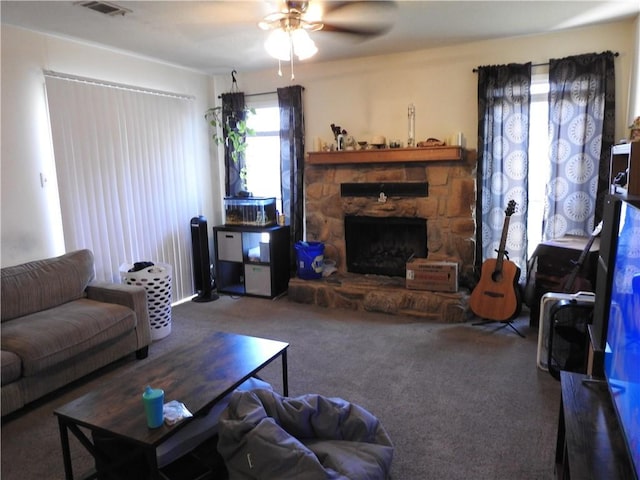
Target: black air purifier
x=203 y=280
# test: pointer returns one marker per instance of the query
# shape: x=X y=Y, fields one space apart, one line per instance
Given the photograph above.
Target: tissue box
x=423 y=274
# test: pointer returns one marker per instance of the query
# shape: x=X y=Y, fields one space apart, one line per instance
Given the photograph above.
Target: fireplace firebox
x=382 y=245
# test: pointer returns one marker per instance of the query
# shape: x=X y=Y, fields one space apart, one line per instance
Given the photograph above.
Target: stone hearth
x=376 y=293
x=448 y=207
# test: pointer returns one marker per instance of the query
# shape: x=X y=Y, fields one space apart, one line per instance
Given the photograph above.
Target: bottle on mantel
x=411 y=114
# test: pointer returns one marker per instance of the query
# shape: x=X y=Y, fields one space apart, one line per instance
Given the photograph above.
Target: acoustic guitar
x=497 y=297
x=572 y=283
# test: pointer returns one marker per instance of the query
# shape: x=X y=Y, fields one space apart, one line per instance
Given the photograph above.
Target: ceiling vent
x=107 y=8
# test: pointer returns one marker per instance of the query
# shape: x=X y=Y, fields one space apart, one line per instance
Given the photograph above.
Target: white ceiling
x=219 y=36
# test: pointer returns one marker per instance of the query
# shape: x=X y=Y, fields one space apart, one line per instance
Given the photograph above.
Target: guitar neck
x=568 y=285
x=503 y=243
x=578 y=266
x=584 y=253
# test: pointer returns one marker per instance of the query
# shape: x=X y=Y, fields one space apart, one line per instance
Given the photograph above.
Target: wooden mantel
x=387 y=155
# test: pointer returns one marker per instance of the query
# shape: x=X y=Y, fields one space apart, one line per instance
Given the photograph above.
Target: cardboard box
x=423 y=274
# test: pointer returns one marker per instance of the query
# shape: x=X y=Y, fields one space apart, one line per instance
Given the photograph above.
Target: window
x=539 y=167
x=126 y=173
x=262 y=157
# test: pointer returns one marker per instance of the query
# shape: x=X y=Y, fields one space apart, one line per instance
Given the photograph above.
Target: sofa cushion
x=11 y=367
x=46 y=338
x=42 y=284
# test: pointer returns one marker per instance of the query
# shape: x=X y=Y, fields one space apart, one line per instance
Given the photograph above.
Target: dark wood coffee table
x=197 y=375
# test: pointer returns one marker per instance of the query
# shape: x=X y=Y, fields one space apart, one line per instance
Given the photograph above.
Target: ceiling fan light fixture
x=303 y=46
x=290 y=34
x=280 y=43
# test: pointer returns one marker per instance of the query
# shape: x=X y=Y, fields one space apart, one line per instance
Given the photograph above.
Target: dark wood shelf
x=387 y=155
x=590 y=442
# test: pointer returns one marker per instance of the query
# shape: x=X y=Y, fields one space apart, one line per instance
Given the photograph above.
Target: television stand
x=593 y=380
x=590 y=444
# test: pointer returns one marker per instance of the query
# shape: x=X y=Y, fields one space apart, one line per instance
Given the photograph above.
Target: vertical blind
x=126 y=169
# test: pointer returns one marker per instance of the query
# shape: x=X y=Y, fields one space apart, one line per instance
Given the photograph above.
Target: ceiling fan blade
x=360 y=18
x=359 y=7
x=362 y=31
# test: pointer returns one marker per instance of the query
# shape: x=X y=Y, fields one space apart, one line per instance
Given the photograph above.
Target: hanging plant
x=232 y=131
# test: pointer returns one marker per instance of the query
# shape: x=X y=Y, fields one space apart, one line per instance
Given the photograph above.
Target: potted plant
x=232 y=130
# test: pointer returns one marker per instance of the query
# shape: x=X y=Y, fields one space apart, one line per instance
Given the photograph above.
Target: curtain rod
x=255 y=94
x=258 y=94
x=475 y=70
x=122 y=86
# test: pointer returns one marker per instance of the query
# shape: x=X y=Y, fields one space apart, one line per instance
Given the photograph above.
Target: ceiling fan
x=290 y=26
x=360 y=18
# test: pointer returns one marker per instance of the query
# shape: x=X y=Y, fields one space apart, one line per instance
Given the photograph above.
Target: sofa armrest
x=131 y=296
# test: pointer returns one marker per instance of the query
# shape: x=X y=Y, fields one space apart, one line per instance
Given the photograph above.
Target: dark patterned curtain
x=581 y=125
x=503 y=143
x=292 y=161
x=233 y=108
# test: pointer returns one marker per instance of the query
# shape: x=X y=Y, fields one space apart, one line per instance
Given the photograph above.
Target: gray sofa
x=57 y=325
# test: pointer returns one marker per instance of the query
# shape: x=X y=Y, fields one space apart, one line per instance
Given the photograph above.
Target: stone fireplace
x=340 y=192
x=383 y=245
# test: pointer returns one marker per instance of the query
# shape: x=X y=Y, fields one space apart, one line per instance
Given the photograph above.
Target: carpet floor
x=458 y=401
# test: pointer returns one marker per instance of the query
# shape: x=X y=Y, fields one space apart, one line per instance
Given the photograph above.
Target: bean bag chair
x=265 y=436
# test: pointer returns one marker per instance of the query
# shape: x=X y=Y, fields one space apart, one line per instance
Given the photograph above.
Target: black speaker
x=203 y=280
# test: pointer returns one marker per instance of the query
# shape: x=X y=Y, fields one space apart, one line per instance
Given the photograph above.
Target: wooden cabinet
x=625 y=158
x=252 y=260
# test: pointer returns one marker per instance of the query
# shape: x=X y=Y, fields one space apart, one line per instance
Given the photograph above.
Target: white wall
x=634 y=79
x=366 y=96
x=371 y=95
x=30 y=229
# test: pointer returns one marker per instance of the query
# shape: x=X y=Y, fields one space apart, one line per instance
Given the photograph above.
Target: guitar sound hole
x=496 y=276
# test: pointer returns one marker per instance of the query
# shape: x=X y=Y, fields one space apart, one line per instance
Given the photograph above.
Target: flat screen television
x=622 y=348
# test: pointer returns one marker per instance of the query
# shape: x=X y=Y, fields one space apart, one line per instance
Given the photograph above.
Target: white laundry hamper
x=156 y=280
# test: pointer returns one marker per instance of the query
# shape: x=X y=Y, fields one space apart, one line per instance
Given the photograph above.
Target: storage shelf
x=622 y=149
x=257 y=262
x=387 y=155
x=238 y=273
x=625 y=158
